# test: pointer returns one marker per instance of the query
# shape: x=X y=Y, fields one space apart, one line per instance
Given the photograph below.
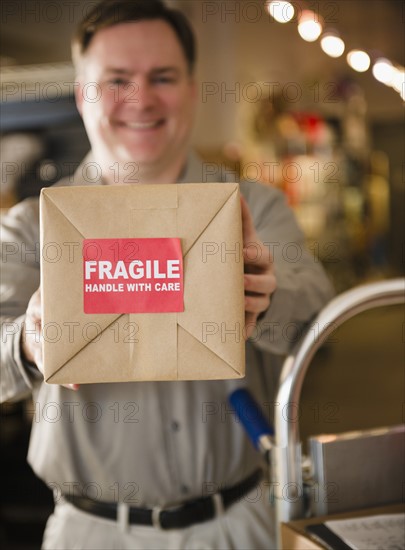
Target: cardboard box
x=142 y=282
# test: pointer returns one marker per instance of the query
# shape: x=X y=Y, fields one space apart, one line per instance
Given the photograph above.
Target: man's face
x=136 y=96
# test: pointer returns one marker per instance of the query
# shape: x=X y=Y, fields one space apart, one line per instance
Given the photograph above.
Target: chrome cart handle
x=287 y=465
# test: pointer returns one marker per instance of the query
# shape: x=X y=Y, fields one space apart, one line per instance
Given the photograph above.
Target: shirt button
x=175 y=426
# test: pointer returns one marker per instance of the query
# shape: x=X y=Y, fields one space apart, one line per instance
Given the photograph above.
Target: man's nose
x=142 y=95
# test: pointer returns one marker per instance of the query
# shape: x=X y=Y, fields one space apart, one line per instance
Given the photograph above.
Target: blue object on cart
x=255 y=423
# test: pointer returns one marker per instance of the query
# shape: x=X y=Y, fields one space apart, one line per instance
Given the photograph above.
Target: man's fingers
x=248 y=228
x=31 y=347
x=256 y=254
x=260 y=280
x=250 y=323
x=257 y=304
x=31 y=341
x=260 y=283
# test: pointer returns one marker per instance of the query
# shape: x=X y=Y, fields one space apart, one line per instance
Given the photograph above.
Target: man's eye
x=117 y=82
x=163 y=80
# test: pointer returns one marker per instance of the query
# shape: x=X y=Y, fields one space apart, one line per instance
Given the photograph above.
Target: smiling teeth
x=142 y=125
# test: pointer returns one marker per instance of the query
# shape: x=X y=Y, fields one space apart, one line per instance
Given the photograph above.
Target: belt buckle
x=216 y=499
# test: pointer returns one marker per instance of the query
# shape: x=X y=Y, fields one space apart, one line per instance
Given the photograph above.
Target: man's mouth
x=148 y=125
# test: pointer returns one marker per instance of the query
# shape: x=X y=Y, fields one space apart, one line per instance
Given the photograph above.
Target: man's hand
x=31 y=338
x=260 y=281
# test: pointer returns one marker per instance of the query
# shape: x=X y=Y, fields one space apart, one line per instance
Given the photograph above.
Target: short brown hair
x=112 y=12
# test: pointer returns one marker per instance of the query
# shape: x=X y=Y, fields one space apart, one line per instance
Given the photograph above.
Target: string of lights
x=311 y=27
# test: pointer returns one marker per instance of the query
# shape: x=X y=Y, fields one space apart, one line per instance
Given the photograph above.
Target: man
x=118 y=453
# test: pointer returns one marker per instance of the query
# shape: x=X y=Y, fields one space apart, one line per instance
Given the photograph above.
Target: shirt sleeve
x=20 y=278
x=303 y=288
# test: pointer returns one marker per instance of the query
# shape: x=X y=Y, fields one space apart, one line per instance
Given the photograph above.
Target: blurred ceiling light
x=332 y=44
x=281 y=11
x=398 y=80
x=383 y=71
x=358 y=60
x=309 y=26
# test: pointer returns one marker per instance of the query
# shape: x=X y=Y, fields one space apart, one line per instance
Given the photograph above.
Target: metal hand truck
x=286 y=450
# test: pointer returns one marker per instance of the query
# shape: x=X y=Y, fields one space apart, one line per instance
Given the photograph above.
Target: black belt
x=192 y=511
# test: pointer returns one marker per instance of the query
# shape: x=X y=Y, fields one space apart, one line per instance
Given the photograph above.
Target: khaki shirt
x=154 y=443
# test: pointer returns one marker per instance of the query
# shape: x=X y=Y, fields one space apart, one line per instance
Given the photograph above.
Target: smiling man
x=153 y=464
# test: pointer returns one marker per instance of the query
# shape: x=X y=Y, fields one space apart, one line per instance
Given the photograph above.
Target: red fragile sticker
x=132 y=275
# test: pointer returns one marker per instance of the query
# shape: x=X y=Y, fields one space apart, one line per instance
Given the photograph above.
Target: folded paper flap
x=216 y=318
x=85 y=343
x=154 y=351
x=62 y=352
x=192 y=222
x=93 y=209
x=209 y=363
x=153 y=223
x=66 y=328
x=94 y=362
x=155 y=197
x=47 y=202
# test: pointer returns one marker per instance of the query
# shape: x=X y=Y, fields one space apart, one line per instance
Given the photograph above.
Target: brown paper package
x=204 y=342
